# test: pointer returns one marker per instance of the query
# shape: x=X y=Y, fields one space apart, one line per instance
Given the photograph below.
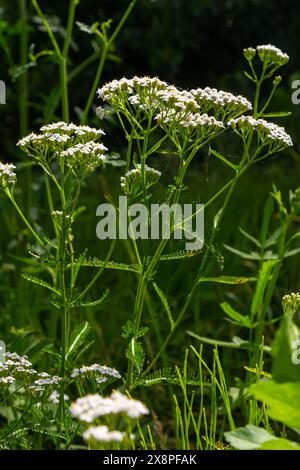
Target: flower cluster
x=102 y=434
x=291 y=303
x=83 y=159
x=269 y=133
x=40 y=145
x=268 y=54
x=132 y=181
x=76 y=144
x=82 y=134
x=44 y=381
x=171 y=108
x=16 y=367
x=222 y=104
x=271 y=55
x=8 y=176
x=91 y=407
x=100 y=373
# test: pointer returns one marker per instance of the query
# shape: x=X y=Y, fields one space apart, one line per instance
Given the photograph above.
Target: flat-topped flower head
x=136 y=91
x=249 y=53
x=8 y=176
x=147 y=96
x=83 y=159
x=132 y=181
x=45 y=382
x=80 y=134
x=291 y=303
x=222 y=104
x=91 y=407
x=268 y=133
x=56 y=138
x=270 y=54
x=97 y=434
x=97 y=372
x=7 y=380
x=40 y=146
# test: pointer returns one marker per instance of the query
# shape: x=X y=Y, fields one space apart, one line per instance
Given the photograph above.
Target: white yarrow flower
x=102 y=434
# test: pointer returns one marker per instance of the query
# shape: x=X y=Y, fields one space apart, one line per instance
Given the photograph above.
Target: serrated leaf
x=263 y=279
x=97 y=263
x=226 y=279
x=282 y=400
x=285 y=367
x=277 y=114
x=179 y=255
x=41 y=282
x=165 y=303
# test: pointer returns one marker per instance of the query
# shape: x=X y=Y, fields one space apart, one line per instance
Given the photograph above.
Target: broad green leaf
x=179 y=255
x=41 y=282
x=249 y=437
x=136 y=354
x=280 y=444
x=167 y=375
x=263 y=279
x=286 y=367
x=282 y=400
x=240 y=319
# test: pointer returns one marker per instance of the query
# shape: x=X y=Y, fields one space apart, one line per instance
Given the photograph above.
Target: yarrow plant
x=91 y=409
x=156 y=118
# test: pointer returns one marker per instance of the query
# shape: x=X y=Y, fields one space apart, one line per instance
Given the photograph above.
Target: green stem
x=96 y=82
x=105 y=49
x=30 y=228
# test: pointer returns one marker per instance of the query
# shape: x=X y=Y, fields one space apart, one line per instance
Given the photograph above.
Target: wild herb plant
x=156 y=116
